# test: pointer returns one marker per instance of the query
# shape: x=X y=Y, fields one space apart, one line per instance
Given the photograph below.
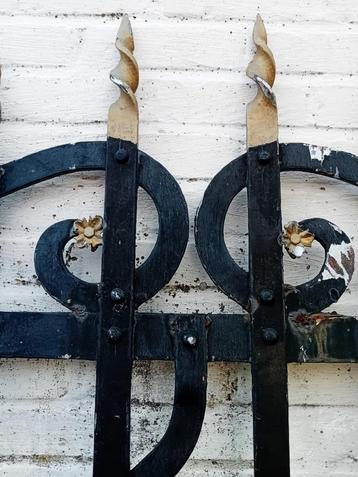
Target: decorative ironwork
x=280 y=324
x=296 y=240
x=88 y=232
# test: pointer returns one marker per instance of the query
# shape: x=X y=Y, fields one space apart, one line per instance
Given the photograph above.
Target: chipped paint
x=303 y=354
x=336 y=228
x=339 y=262
x=318 y=153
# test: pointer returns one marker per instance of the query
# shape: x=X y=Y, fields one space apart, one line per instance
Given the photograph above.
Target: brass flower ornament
x=296 y=239
x=88 y=232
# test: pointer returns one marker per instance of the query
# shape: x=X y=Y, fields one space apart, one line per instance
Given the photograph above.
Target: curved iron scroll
x=190 y=356
x=337 y=269
x=228 y=336
x=70 y=291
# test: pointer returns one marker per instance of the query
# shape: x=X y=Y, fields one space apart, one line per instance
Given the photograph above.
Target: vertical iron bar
x=268 y=347
x=114 y=352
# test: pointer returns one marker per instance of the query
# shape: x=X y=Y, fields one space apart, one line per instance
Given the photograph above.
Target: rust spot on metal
x=332 y=262
x=348 y=262
x=307 y=319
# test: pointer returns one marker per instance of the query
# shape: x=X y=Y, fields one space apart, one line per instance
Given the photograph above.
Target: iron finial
x=123 y=114
x=262 y=110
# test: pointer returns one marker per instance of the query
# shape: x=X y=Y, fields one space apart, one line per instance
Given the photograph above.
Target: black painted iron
x=115 y=326
x=267 y=310
x=280 y=324
x=189 y=340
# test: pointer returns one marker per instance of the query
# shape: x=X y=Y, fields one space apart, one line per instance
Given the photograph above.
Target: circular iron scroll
x=336 y=272
x=153 y=274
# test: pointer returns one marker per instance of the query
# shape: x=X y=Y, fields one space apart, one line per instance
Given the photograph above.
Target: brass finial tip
x=123 y=114
x=263 y=63
x=262 y=110
x=125 y=33
x=259 y=29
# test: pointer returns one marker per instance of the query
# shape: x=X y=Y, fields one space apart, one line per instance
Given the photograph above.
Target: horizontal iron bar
x=320 y=337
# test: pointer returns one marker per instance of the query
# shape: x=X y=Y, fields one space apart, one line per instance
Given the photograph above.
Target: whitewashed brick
x=193 y=92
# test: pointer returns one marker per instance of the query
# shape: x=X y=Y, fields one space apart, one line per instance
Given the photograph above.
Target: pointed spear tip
x=125 y=32
x=259 y=28
x=125 y=26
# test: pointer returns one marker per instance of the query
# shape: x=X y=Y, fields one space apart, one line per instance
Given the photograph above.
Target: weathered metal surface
x=123 y=114
x=332 y=280
x=115 y=325
x=232 y=279
x=261 y=116
x=189 y=343
x=72 y=336
x=296 y=240
x=267 y=310
x=117 y=296
x=150 y=276
x=103 y=323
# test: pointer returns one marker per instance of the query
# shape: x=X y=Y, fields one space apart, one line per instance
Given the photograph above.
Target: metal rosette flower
x=296 y=240
x=88 y=232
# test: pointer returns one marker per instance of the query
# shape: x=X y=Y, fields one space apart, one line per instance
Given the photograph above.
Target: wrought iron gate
x=283 y=323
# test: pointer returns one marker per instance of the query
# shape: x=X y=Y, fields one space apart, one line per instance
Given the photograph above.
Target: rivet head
x=334 y=294
x=117 y=295
x=264 y=156
x=269 y=335
x=190 y=340
x=114 y=334
x=266 y=296
x=122 y=155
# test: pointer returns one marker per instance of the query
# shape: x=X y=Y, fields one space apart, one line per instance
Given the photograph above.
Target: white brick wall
x=55 y=60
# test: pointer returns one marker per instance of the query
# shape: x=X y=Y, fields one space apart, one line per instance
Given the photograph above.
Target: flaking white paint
x=319 y=153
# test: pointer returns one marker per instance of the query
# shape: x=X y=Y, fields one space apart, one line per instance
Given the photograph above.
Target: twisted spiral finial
x=123 y=114
x=262 y=110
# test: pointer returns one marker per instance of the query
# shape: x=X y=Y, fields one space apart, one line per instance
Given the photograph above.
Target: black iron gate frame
x=283 y=323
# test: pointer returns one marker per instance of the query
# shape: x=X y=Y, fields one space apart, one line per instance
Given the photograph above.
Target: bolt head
x=266 y=296
x=117 y=295
x=122 y=155
x=190 y=340
x=114 y=334
x=264 y=156
x=269 y=335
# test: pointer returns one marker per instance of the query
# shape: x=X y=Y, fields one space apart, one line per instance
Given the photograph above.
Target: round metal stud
x=122 y=155
x=269 y=335
x=264 y=156
x=334 y=294
x=114 y=334
x=117 y=295
x=190 y=340
x=266 y=296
